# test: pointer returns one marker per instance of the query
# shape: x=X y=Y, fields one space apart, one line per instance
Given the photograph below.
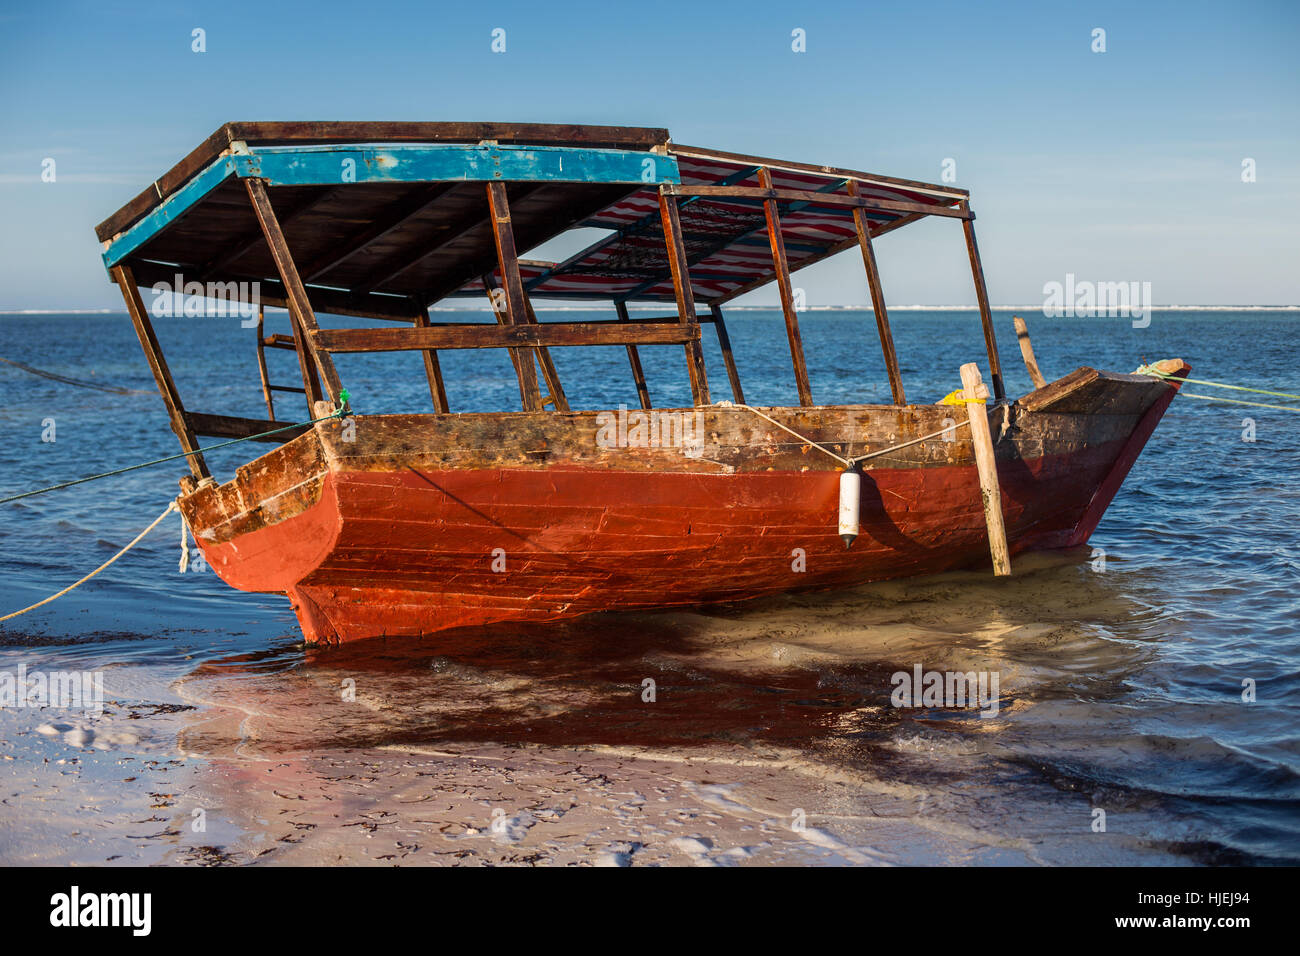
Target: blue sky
x=1122 y=165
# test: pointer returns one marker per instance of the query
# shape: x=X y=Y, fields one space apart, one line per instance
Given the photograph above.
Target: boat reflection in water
x=761 y=716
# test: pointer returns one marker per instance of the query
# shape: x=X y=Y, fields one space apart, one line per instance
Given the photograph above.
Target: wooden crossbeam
x=230 y=426
x=262 y=290
x=870 y=179
x=815 y=198
x=482 y=336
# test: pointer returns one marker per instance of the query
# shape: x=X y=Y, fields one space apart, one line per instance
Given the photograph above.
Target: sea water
x=1148 y=703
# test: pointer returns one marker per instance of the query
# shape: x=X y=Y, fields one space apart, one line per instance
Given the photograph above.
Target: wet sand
x=770 y=740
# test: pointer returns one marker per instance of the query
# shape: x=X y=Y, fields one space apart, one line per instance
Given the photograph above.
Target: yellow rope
x=170 y=508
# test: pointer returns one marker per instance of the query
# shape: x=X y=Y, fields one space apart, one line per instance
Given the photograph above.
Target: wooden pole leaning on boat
x=317 y=364
x=1027 y=352
x=975 y=393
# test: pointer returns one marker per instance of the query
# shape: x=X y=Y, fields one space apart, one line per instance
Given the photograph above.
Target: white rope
x=846 y=462
x=914 y=441
x=803 y=438
x=185 y=551
x=138 y=538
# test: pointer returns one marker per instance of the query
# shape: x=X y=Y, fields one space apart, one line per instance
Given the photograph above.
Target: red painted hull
x=396 y=546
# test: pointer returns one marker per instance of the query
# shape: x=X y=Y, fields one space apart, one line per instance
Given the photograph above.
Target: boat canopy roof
x=386 y=217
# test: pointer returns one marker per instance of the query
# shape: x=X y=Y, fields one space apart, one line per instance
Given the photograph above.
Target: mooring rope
x=846 y=462
x=186 y=454
x=1148 y=370
x=1240 y=401
x=55 y=376
x=138 y=538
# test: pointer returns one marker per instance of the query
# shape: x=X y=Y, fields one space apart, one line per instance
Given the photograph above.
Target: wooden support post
x=304 y=318
x=877 y=299
x=512 y=284
x=162 y=375
x=261 y=363
x=787 y=295
x=500 y=315
x=975 y=393
x=634 y=360
x=986 y=315
x=517 y=355
x=557 y=397
x=432 y=368
x=672 y=226
x=1027 y=352
x=724 y=342
x=306 y=365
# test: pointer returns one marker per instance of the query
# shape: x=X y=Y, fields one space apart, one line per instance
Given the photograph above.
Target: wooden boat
x=410 y=524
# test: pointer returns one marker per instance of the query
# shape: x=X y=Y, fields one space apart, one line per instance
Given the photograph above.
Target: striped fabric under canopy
x=727 y=243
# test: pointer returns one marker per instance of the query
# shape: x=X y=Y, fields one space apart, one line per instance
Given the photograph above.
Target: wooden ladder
x=274 y=341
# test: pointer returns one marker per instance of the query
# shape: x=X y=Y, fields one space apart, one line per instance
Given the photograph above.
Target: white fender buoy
x=850 y=495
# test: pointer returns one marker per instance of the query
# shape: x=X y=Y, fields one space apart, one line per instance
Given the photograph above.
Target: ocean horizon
x=864 y=307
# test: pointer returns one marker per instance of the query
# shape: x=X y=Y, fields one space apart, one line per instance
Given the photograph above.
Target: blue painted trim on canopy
x=171 y=209
x=328 y=166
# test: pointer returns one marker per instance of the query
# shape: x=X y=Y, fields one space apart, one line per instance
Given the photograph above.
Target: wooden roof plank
x=615 y=137
x=397 y=215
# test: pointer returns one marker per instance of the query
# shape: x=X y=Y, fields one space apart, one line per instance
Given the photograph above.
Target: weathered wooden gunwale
x=1086 y=405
